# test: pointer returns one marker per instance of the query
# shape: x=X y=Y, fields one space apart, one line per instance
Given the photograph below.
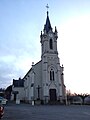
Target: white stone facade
x=45 y=80
x=20 y=95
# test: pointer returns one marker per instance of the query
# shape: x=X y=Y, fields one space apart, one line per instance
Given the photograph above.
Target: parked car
x=1 y=111
x=87 y=100
x=77 y=100
x=3 y=100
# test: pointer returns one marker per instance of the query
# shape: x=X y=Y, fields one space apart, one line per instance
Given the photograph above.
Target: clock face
x=50 y=34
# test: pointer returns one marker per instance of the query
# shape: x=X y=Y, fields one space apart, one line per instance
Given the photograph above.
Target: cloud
x=6 y=70
x=74 y=41
x=16 y=57
x=13 y=67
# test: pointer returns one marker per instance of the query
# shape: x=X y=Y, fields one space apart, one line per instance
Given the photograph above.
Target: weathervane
x=47 y=7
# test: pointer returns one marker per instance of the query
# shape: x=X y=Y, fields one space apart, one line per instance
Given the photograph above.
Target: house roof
x=18 y=83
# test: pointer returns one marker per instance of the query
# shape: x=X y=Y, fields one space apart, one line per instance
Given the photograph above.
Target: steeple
x=48 y=38
x=47 y=26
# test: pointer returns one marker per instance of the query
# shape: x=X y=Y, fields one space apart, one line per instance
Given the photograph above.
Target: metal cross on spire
x=47 y=7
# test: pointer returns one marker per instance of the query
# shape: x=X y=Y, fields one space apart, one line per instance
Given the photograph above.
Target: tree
x=8 y=92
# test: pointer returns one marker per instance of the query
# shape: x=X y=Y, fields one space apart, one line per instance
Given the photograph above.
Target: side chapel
x=45 y=80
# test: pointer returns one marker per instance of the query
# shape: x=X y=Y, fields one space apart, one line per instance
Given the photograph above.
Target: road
x=46 y=112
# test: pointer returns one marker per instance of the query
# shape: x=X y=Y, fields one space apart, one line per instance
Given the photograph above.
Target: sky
x=21 y=22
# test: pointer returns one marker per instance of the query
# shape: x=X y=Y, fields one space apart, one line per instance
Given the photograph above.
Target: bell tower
x=51 y=69
x=49 y=38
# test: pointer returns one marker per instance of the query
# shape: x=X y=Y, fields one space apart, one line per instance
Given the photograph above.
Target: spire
x=55 y=29
x=47 y=26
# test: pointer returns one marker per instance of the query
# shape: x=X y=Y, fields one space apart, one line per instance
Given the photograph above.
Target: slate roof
x=18 y=83
x=47 y=26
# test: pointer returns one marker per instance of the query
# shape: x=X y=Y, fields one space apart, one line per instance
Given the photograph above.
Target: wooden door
x=52 y=93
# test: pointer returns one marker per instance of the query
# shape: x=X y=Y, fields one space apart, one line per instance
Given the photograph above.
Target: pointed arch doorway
x=52 y=93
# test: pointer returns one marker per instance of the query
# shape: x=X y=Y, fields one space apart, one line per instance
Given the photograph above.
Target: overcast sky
x=21 y=22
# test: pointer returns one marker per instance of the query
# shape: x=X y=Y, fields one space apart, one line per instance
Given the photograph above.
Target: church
x=44 y=82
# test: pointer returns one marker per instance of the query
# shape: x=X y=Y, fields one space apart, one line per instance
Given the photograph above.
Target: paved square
x=46 y=112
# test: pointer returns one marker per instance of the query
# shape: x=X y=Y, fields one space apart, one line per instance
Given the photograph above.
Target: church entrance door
x=52 y=93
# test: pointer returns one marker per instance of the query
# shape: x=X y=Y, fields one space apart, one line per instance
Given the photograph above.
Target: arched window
x=51 y=44
x=52 y=75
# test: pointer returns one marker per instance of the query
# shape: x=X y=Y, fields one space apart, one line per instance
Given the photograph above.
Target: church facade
x=45 y=80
